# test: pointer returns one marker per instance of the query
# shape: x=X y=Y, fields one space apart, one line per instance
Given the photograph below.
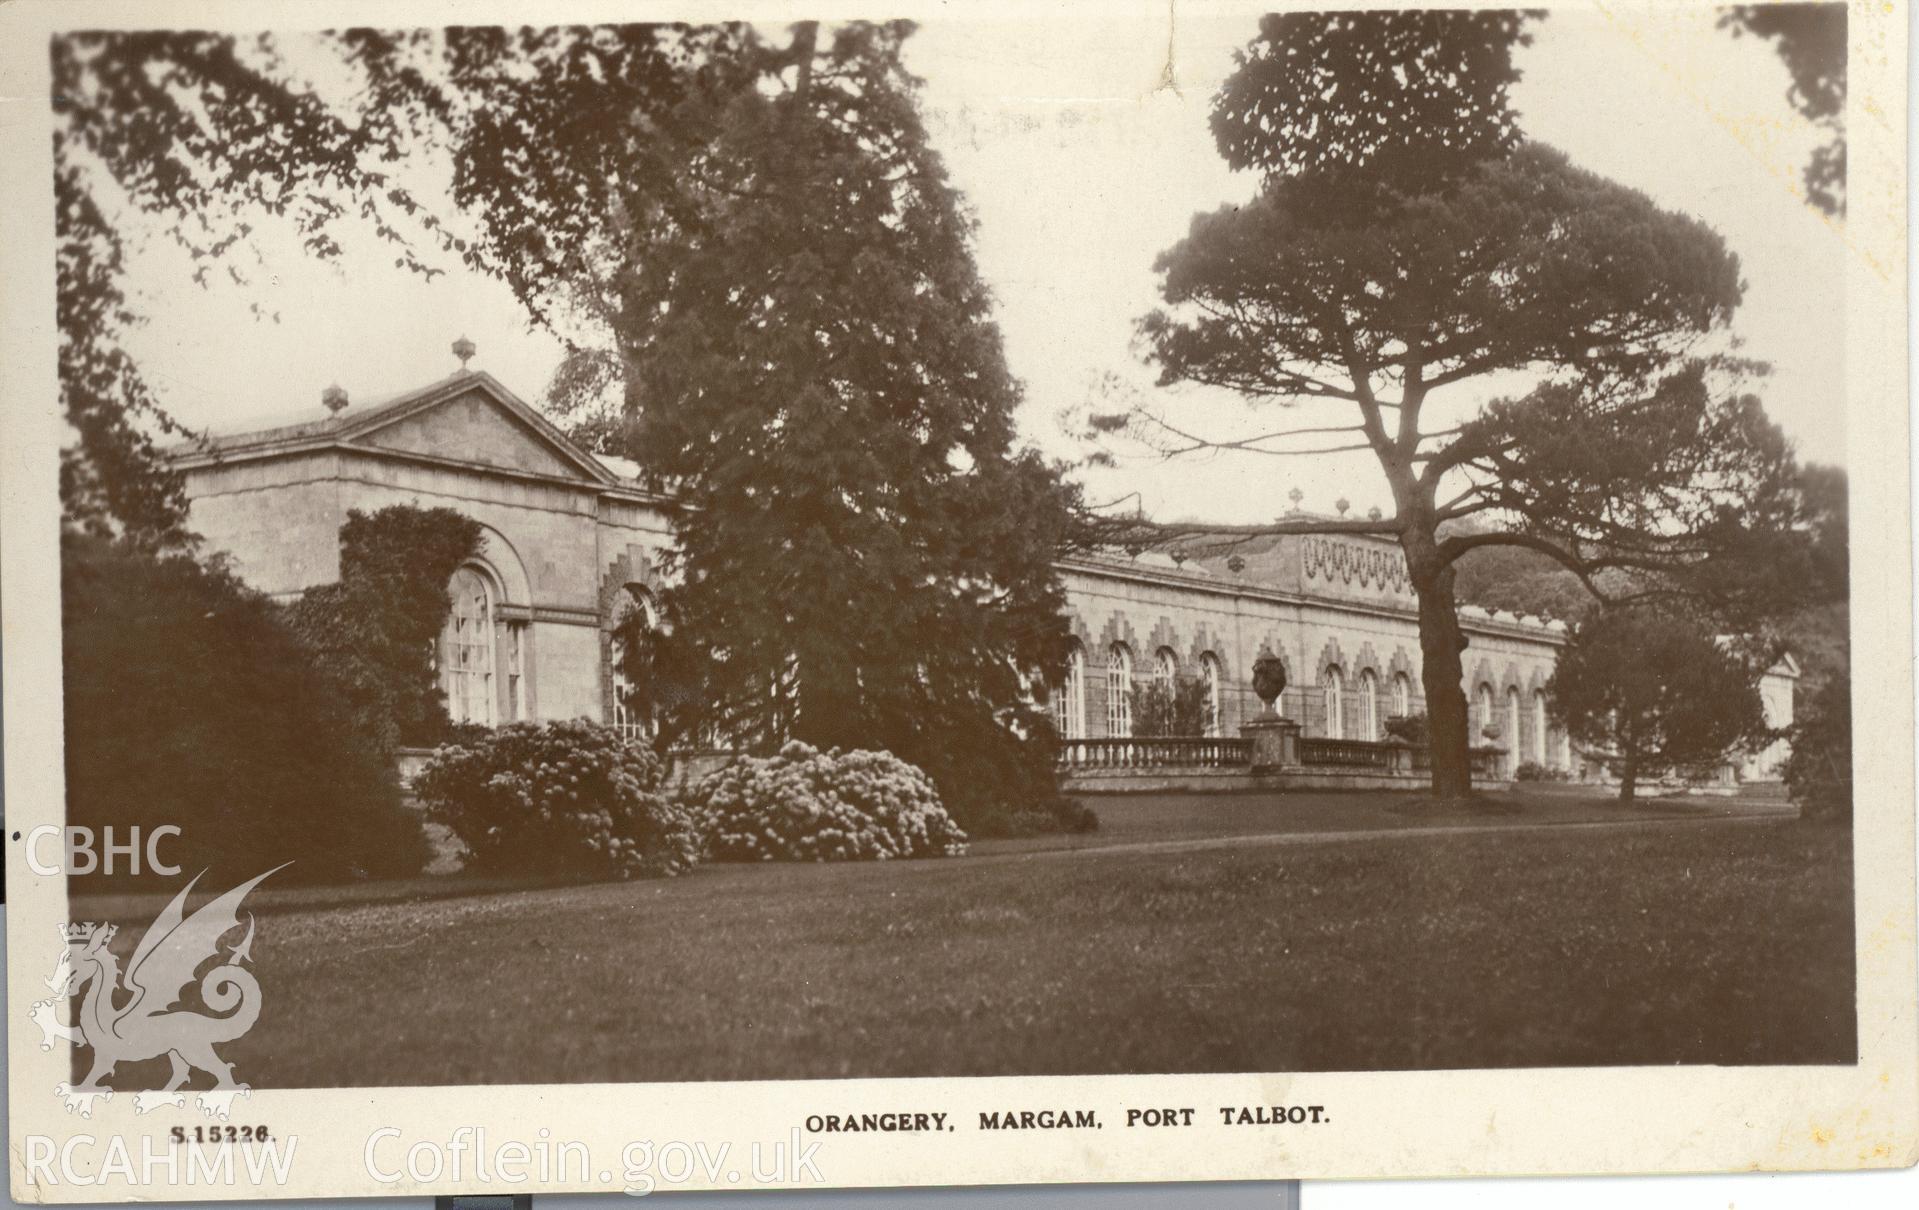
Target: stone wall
x=279 y=519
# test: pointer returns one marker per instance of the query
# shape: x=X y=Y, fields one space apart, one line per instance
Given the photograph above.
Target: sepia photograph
x=671 y=551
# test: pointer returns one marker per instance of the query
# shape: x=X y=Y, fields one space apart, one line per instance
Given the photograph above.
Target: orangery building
x=573 y=542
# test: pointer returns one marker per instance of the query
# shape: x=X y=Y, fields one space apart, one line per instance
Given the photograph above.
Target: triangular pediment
x=472 y=419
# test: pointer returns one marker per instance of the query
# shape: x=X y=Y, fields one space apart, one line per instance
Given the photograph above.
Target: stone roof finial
x=334 y=398
x=1295 y=496
x=464 y=350
x=1342 y=504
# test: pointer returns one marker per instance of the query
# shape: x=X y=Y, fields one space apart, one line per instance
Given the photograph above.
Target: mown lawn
x=1689 y=942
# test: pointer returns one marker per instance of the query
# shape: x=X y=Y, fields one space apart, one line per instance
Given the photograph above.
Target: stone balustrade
x=1184 y=752
x=1271 y=755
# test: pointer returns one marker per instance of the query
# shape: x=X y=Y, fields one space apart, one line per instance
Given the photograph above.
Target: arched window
x=466 y=649
x=1119 y=691
x=1069 y=701
x=634 y=614
x=1512 y=740
x=1402 y=695
x=1210 y=676
x=1165 y=668
x=1540 y=727
x=1333 y=688
x=1368 y=705
x=1483 y=715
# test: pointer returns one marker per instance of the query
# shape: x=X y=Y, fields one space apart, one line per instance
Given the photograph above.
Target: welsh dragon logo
x=139 y=1015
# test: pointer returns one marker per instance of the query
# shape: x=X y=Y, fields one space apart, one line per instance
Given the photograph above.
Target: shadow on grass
x=132 y=903
x=1469 y=806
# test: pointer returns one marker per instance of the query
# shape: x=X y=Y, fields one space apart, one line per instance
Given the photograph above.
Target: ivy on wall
x=373 y=633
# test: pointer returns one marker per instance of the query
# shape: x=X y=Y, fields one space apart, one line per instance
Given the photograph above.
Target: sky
x=1083 y=151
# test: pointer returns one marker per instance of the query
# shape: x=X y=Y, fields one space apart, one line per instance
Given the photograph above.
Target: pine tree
x=1407 y=239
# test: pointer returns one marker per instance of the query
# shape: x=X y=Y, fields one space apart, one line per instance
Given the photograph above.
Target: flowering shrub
x=808 y=805
x=1534 y=771
x=559 y=798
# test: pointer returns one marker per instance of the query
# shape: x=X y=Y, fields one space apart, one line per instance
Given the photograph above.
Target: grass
x=1676 y=942
x=1177 y=817
x=1128 y=820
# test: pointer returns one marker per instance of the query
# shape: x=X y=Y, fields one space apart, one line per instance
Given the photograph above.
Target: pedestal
x=1275 y=741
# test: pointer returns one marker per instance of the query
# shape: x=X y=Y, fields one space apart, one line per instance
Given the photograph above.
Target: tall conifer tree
x=768 y=280
x=778 y=316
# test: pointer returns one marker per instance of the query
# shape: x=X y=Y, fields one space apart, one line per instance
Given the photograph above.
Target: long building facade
x=1337 y=611
x=573 y=543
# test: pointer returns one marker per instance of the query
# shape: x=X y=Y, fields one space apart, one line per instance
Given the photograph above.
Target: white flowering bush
x=808 y=805
x=559 y=798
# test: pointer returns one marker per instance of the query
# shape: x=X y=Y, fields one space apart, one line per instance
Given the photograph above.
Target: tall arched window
x=466 y=649
x=634 y=615
x=1333 y=688
x=1512 y=741
x=1210 y=676
x=1540 y=725
x=1069 y=701
x=1119 y=691
x=1368 y=705
x=1483 y=711
x=1402 y=695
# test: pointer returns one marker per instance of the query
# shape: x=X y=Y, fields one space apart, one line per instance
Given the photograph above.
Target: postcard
x=638 y=598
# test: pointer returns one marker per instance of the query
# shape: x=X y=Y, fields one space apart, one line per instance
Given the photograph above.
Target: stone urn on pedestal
x=1496 y=755
x=1275 y=740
